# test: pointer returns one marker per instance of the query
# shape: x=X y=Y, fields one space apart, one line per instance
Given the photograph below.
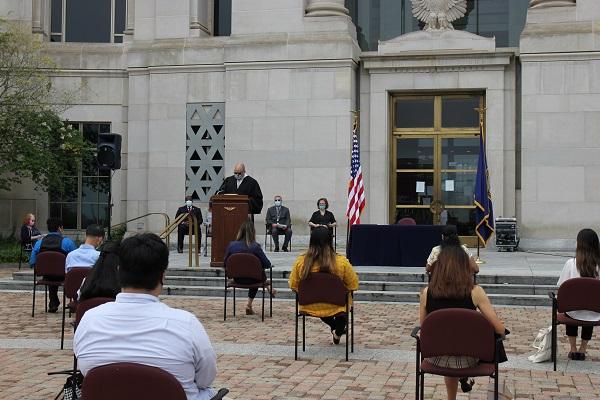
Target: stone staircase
x=374 y=286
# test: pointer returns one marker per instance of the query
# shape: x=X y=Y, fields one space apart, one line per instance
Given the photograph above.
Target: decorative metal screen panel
x=205 y=149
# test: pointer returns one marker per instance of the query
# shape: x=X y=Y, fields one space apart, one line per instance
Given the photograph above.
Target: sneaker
x=466 y=385
x=336 y=338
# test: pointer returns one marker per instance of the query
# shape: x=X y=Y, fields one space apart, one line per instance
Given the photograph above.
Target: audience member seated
x=450 y=238
x=246 y=243
x=585 y=264
x=29 y=232
x=279 y=222
x=183 y=228
x=452 y=286
x=138 y=328
x=103 y=279
x=322 y=217
x=53 y=241
x=86 y=255
x=321 y=257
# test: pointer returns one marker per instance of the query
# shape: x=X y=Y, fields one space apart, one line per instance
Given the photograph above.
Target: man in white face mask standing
x=241 y=183
x=183 y=228
x=279 y=222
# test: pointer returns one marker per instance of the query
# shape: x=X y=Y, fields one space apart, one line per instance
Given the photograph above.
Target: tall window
x=222 y=18
x=385 y=19
x=83 y=199
x=88 y=21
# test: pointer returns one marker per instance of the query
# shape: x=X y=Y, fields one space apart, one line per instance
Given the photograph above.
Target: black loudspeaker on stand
x=108 y=157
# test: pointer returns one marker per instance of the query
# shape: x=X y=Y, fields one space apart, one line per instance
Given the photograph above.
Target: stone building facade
x=195 y=86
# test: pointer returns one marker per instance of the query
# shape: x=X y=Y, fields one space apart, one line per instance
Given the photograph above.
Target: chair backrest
x=322 y=287
x=88 y=304
x=457 y=332
x=244 y=265
x=579 y=294
x=125 y=381
x=73 y=280
x=407 y=221
x=50 y=263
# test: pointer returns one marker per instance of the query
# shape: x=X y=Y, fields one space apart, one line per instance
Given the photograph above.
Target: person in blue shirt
x=53 y=241
x=246 y=243
x=86 y=255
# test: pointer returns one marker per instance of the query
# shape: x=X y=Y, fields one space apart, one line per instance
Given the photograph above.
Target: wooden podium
x=229 y=211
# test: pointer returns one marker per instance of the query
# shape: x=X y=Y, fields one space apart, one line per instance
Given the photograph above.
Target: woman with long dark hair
x=585 y=264
x=320 y=257
x=245 y=242
x=103 y=278
x=452 y=286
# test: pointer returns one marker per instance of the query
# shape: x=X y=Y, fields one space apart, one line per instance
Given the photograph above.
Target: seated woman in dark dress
x=103 y=278
x=246 y=243
x=29 y=232
x=452 y=286
x=322 y=217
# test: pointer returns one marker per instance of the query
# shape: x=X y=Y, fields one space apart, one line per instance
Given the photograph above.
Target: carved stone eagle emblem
x=438 y=14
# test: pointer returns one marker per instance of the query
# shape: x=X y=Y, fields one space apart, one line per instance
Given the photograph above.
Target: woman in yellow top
x=321 y=257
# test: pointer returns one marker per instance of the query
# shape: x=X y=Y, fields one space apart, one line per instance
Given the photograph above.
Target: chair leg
x=296 y=333
x=352 y=328
x=271 y=297
x=553 y=335
x=347 y=334
x=234 y=301
x=46 y=298
x=225 y=301
x=303 y=333
x=263 y=305
x=422 y=386
x=62 y=332
x=20 y=257
x=33 y=302
x=496 y=386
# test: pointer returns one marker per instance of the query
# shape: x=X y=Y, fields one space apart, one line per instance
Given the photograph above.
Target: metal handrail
x=167 y=222
x=192 y=222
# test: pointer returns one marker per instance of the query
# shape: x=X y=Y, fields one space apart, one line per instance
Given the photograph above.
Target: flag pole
x=354 y=130
x=481 y=111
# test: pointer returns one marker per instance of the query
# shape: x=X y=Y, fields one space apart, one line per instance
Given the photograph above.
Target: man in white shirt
x=86 y=255
x=138 y=328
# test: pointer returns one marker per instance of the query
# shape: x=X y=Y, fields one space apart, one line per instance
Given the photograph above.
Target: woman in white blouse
x=585 y=264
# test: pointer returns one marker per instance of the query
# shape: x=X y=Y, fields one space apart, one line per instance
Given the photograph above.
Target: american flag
x=356 y=189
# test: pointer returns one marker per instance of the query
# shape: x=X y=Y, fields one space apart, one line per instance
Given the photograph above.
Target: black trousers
x=53 y=291
x=586 y=331
x=183 y=230
x=287 y=236
x=248 y=281
x=338 y=324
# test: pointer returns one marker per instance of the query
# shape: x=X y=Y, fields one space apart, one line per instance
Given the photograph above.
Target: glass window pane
x=458 y=187
x=55 y=211
x=422 y=216
x=414 y=113
x=89 y=190
x=56 y=17
x=459 y=112
x=104 y=128
x=89 y=165
x=414 y=188
x=414 y=153
x=93 y=213
x=56 y=38
x=222 y=18
x=460 y=153
x=69 y=215
x=69 y=192
x=90 y=132
x=119 y=16
x=88 y=21
x=463 y=218
x=118 y=39
x=103 y=184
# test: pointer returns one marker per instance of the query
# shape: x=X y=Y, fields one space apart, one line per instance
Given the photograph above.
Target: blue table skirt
x=392 y=245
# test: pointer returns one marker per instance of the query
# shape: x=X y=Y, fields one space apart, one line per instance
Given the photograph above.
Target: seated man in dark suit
x=183 y=228
x=279 y=222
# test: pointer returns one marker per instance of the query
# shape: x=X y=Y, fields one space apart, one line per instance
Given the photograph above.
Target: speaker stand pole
x=109 y=205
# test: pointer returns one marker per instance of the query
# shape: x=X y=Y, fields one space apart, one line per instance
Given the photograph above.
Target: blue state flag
x=484 y=215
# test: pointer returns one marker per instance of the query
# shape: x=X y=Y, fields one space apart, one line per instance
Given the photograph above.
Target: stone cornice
x=320 y=63
x=562 y=56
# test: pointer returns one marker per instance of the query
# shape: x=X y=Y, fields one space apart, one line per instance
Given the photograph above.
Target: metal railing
x=192 y=223
x=167 y=222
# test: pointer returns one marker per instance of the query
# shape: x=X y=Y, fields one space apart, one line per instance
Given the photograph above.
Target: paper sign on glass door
x=449 y=185
x=420 y=187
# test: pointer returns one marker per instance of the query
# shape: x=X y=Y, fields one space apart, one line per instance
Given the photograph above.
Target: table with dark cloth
x=392 y=245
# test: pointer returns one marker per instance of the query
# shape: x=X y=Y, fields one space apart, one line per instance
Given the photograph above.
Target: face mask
x=277 y=203
x=238 y=176
x=188 y=203
x=322 y=206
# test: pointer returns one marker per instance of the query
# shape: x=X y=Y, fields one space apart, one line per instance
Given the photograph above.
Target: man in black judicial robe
x=240 y=183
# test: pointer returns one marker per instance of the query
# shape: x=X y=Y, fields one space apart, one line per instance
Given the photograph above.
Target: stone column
x=36 y=17
x=199 y=17
x=326 y=8
x=130 y=10
x=550 y=3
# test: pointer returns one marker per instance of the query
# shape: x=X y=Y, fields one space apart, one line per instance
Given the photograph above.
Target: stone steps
x=374 y=286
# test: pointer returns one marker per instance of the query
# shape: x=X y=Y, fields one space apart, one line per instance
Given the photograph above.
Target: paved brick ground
x=270 y=372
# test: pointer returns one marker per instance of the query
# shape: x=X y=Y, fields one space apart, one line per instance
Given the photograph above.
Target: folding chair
x=322 y=287
x=48 y=263
x=406 y=221
x=73 y=280
x=246 y=266
x=573 y=295
x=456 y=332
